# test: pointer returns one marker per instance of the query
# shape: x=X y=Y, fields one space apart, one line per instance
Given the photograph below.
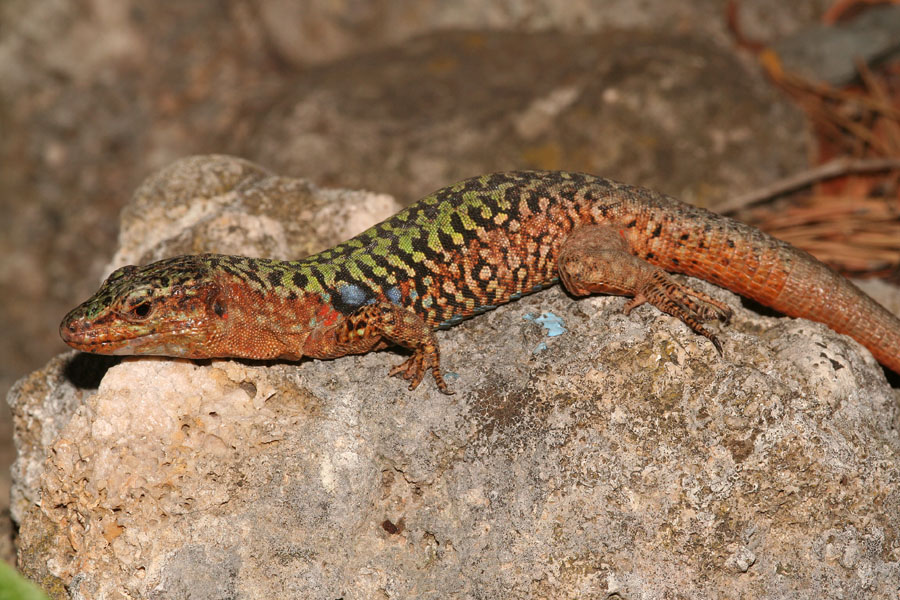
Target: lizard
x=461 y=251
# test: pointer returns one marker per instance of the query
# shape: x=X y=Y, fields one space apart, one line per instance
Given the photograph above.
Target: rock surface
x=458 y=104
x=832 y=53
x=620 y=459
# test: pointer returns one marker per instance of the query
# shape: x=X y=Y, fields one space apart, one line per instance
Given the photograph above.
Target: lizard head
x=173 y=307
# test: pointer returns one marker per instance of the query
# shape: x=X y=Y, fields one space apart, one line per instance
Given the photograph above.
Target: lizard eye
x=141 y=311
x=137 y=306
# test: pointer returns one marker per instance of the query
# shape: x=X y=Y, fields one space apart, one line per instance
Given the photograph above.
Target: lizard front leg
x=595 y=259
x=373 y=327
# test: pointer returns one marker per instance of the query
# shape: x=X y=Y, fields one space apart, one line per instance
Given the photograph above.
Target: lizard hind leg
x=372 y=327
x=595 y=259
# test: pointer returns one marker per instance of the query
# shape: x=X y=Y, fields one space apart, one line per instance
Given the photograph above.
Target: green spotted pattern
x=451 y=255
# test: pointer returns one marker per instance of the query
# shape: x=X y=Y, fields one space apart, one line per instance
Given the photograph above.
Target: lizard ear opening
x=218 y=305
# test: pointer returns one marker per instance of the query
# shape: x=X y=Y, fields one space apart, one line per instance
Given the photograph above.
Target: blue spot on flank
x=413 y=294
x=393 y=294
x=552 y=323
x=539 y=348
x=427 y=301
x=352 y=294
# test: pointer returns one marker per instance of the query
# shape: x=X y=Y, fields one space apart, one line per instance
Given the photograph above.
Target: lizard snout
x=72 y=329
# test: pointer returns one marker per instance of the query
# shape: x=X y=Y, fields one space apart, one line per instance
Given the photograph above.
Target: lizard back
x=456 y=253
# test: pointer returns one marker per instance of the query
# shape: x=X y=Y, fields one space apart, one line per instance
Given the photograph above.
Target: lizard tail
x=815 y=291
x=772 y=272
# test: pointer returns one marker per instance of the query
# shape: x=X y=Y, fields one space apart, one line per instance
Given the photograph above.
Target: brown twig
x=732 y=20
x=845 y=9
x=830 y=170
x=797 y=84
x=879 y=92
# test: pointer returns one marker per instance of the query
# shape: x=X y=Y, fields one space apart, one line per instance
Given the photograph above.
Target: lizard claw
x=413 y=369
x=689 y=305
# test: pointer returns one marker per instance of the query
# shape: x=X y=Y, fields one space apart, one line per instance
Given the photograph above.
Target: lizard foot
x=413 y=369
x=689 y=305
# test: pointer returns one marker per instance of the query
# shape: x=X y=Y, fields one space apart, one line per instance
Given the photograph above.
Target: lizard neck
x=268 y=323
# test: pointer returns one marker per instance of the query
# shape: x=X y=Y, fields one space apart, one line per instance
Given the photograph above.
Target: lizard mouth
x=89 y=337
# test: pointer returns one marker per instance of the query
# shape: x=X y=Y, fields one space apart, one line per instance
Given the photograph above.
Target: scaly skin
x=459 y=252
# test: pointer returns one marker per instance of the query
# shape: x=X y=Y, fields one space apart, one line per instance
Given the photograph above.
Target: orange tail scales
x=690 y=240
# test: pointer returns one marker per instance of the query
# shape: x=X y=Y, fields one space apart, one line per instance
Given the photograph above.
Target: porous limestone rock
x=585 y=454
